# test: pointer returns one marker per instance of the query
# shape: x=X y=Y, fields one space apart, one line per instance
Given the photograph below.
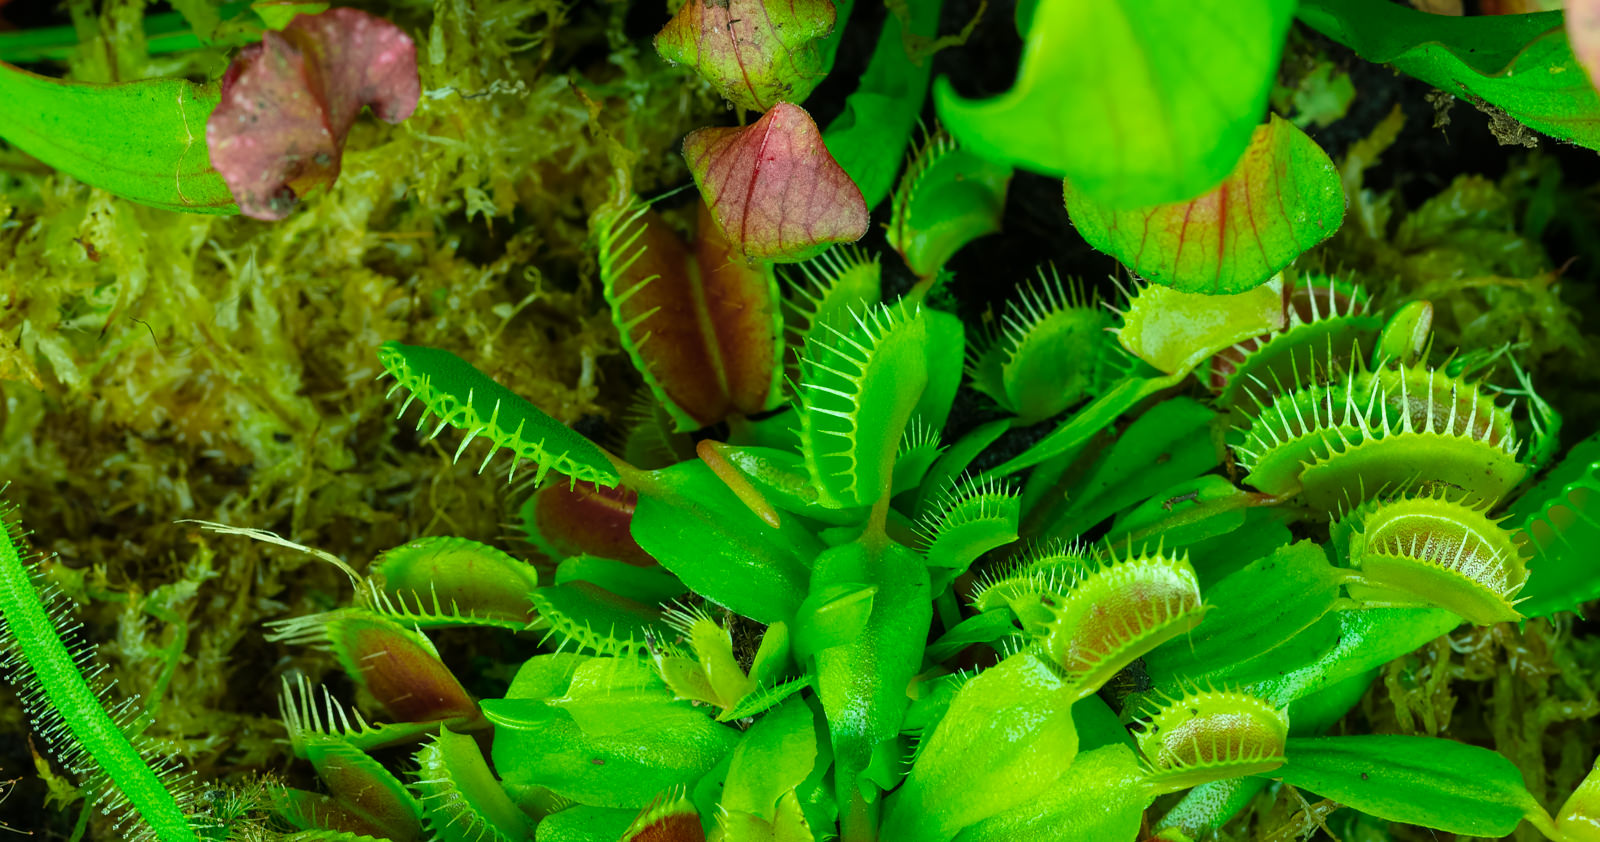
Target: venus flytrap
x=795 y=601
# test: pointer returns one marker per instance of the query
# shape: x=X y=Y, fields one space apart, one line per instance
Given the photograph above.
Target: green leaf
x=1252 y=611
x=461 y=799
x=467 y=399
x=1101 y=797
x=945 y=347
x=1561 y=520
x=1089 y=420
x=1341 y=645
x=698 y=529
x=775 y=756
x=947 y=198
x=1441 y=784
x=1006 y=737
x=582 y=823
x=859 y=388
x=862 y=683
x=1174 y=331
x=1168 y=443
x=201 y=15
x=833 y=616
x=449 y=581
x=649 y=585
x=870 y=136
x=1186 y=513
x=987 y=627
x=1519 y=63
x=1135 y=103
x=614 y=738
x=1282 y=198
x=144 y=141
x=953 y=463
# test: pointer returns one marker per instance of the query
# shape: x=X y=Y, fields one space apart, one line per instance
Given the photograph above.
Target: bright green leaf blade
x=698 y=529
x=949 y=467
x=1101 y=797
x=581 y=823
x=144 y=141
x=467 y=399
x=1186 y=513
x=862 y=683
x=1006 y=737
x=614 y=738
x=988 y=627
x=1252 y=611
x=1136 y=103
x=947 y=198
x=1441 y=784
x=1169 y=443
x=1520 y=63
x=648 y=585
x=1091 y=419
x=1562 y=524
x=870 y=137
x=1358 y=640
x=775 y=756
x=1282 y=198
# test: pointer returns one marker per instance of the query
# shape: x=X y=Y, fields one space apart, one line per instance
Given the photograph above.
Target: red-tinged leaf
x=289 y=102
x=1282 y=198
x=666 y=821
x=742 y=312
x=702 y=327
x=397 y=665
x=1583 y=32
x=756 y=53
x=582 y=519
x=652 y=303
x=773 y=187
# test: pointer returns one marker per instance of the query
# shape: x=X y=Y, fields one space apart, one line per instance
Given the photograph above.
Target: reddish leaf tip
x=773 y=187
x=289 y=102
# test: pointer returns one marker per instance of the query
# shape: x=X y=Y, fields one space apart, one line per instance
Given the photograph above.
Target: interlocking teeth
x=1394 y=427
x=1434 y=550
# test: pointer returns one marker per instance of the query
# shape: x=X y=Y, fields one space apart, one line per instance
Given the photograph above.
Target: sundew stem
x=67 y=710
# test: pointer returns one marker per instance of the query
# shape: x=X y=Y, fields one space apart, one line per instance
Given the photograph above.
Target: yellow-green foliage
x=157 y=366
x=1473 y=249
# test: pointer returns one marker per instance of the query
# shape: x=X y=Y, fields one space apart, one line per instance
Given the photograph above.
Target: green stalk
x=67 y=709
x=164 y=33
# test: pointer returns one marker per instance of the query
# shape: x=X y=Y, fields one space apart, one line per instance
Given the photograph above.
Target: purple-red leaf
x=756 y=53
x=583 y=519
x=289 y=102
x=773 y=187
x=702 y=326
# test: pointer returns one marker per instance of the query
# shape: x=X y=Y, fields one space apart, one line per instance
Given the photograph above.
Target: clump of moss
x=157 y=366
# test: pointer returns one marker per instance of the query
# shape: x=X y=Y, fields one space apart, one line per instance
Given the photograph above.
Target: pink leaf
x=773 y=188
x=1583 y=31
x=289 y=102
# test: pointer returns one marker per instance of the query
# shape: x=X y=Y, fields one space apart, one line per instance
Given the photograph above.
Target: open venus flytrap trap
x=857 y=564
